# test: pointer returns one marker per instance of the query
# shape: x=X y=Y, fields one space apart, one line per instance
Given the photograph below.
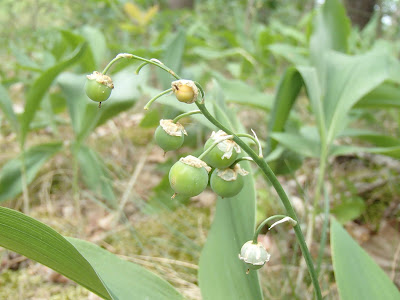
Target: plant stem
x=279 y=189
x=263 y=223
x=24 y=182
x=324 y=231
x=186 y=115
x=148 y=61
x=239 y=160
x=75 y=186
x=147 y=106
x=255 y=140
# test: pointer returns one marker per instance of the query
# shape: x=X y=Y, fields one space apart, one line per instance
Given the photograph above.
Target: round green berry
x=188 y=180
x=225 y=188
x=167 y=142
x=97 y=91
x=215 y=157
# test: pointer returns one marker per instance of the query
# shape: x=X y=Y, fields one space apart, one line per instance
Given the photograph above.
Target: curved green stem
x=140 y=67
x=186 y=114
x=279 y=189
x=201 y=89
x=241 y=159
x=255 y=140
x=228 y=137
x=263 y=223
x=147 y=106
x=148 y=61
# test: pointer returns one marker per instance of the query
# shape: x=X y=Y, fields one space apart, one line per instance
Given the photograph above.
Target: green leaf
x=293 y=54
x=35 y=240
x=347 y=80
x=221 y=274
x=358 y=277
x=300 y=144
x=6 y=107
x=239 y=92
x=40 y=87
x=10 y=174
x=172 y=57
x=95 y=174
x=286 y=95
x=331 y=30
x=208 y=53
x=387 y=95
x=94 y=268
x=123 y=279
x=342 y=150
x=97 y=44
x=382 y=144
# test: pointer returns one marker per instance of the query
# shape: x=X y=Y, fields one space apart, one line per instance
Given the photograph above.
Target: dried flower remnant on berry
x=229 y=174
x=226 y=146
x=194 y=162
x=173 y=129
x=101 y=78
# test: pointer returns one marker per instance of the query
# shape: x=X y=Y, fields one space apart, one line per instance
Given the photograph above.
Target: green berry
x=215 y=157
x=167 y=142
x=189 y=176
x=226 y=188
x=98 y=87
x=169 y=135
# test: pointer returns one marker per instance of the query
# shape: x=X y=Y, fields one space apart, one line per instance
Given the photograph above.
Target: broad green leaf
x=358 y=277
x=331 y=29
x=314 y=93
x=72 y=39
x=41 y=243
x=6 y=107
x=221 y=274
x=97 y=44
x=293 y=54
x=237 y=91
x=40 y=87
x=286 y=95
x=95 y=174
x=375 y=138
x=382 y=144
x=208 y=53
x=348 y=79
x=344 y=149
x=10 y=174
x=172 y=57
x=221 y=111
x=94 y=268
x=125 y=280
x=386 y=95
x=302 y=145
